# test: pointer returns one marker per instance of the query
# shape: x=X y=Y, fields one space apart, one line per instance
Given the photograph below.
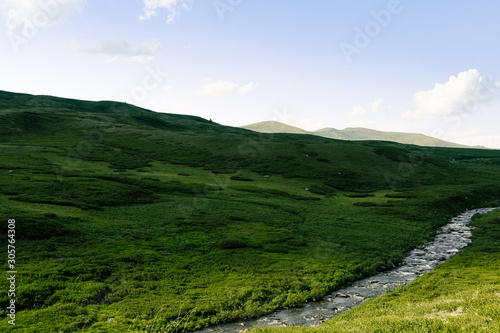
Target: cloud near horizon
x=460 y=94
x=29 y=15
x=375 y=107
x=225 y=88
x=357 y=111
x=173 y=7
x=115 y=48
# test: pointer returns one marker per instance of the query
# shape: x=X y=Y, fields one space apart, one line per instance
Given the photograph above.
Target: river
x=449 y=240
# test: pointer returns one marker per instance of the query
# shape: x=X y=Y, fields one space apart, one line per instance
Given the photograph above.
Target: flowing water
x=450 y=239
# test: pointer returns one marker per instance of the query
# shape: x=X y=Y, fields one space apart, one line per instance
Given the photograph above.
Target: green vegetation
x=461 y=295
x=160 y=221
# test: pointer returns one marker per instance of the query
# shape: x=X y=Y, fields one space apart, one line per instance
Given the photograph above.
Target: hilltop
x=275 y=127
x=356 y=134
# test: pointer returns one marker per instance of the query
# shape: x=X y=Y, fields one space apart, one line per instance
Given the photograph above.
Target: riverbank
x=450 y=239
x=461 y=295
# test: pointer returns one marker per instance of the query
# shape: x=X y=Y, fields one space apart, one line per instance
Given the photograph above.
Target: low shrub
x=365 y=204
x=241 y=178
x=230 y=244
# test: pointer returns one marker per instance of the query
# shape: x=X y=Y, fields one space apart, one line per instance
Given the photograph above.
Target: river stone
x=443 y=230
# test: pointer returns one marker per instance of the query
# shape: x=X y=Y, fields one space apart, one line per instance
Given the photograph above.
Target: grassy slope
x=275 y=127
x=369 y=134
x=461 y=295
x=143 y=217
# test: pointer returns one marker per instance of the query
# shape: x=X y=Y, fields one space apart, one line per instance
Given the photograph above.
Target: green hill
x=275 y=127
x=128 y=220
x=356 y=134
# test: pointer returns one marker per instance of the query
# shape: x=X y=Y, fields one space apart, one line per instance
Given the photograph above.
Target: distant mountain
x=356 y=134
x=359 y=133
x=274 y=127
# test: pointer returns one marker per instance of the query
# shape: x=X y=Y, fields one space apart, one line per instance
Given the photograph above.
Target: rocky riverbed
x=450 y=239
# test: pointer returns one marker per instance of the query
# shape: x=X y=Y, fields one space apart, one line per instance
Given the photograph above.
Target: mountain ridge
x=356 y=134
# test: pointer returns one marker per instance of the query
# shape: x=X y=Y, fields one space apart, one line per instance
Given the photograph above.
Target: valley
x=130 y=220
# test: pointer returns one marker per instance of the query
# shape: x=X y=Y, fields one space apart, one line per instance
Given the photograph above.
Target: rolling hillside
x=356 y=134
x=275 y=127
x=128 y=220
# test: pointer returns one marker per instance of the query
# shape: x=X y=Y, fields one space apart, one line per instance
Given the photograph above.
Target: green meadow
x=129 y=220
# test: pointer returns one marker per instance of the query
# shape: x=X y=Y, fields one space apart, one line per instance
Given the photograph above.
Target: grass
x=149 y=218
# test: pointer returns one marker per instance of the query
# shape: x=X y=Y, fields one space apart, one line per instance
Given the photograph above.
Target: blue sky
x=395 y=65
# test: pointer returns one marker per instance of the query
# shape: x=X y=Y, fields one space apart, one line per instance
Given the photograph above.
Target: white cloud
x=115 y=48
x=461 y=94
x=30 y=15
x=219 y=88
x=247 y=88
x=173 y=7
x=357 y=111
x=224 y=88
x=376 y=105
